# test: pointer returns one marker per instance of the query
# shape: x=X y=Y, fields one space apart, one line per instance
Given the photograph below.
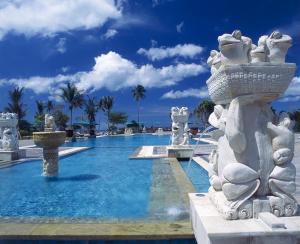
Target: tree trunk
x=138 y=102
x=108 y=114
x=71 y=117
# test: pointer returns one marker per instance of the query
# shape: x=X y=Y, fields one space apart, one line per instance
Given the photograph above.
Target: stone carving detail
x=8 y=132
x=180 y=128
x=253 y=157
x=49 y=123
x=50 y=162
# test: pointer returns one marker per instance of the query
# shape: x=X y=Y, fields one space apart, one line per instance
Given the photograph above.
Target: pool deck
x=98 y=231
x=152 y=152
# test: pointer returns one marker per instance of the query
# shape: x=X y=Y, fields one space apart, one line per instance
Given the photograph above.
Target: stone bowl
x=49 y=139
x=268 y=80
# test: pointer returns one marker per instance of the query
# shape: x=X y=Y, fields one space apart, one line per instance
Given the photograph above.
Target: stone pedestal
x=49 y=141
x=12 y=155
x=50 y=162
x=211 y=228
x=182 y=152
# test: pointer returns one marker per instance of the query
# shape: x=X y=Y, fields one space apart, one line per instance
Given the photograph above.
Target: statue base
x=211 y=228
x=252 y=207
x=12 y=155
x=180 y=151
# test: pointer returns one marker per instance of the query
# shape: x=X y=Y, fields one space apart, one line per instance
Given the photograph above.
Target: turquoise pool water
x=100 y=183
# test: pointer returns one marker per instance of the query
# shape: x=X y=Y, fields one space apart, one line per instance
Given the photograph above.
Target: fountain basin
x=51 y=139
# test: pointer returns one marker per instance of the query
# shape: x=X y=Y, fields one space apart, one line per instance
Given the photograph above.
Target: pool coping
x=61 y=154
x=98 y=231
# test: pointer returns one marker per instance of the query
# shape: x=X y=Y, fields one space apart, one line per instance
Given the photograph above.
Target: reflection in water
x=82 y=177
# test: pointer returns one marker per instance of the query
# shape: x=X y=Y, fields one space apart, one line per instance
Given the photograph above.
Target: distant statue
x=180 y=129
x=9 y=132
x=49 y=123
x=9 y=141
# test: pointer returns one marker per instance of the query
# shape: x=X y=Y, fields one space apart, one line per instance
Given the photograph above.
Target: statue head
x=285 y=120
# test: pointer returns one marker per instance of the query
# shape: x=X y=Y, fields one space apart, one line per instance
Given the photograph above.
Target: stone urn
x=49 y=141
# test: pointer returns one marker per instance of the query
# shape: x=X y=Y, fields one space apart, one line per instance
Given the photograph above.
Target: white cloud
x=292 y=94
x=179 y=27
x=65 y=69
x=180 y=50
x=113 y=72
x=37 y=17
x=110 y=33
x=61 y=45
x=191 y=92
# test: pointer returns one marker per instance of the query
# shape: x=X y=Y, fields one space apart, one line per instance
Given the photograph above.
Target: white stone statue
x=253 y=160
x=234 y=48
x=214 y=60
x=49 y=123
x=8 y=132
x=180 y=129
x=278 y=45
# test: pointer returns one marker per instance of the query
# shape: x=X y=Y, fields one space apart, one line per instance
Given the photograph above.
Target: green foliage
x=72 y=96
x=138 y=93
x=118 y=118
x=106 y=104
x=49 y=106
x=61 y=119
x=295 y=115
x=203 y=110
x=15 y=105
x=91 y=108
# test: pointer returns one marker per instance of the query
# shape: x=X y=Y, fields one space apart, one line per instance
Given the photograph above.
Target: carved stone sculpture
x=253 y=160
x=49 y=141
x=9 y=132
x=180 y=129
x=49 y=123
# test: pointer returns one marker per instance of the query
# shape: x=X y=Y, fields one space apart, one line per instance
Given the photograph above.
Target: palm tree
x=91 y=108
x=106 y=103
x=138 y=93
x=49 y=106
x=40 y=107
x=72 y=96
x=15 y=105
x=203 y=110
x=39 y=115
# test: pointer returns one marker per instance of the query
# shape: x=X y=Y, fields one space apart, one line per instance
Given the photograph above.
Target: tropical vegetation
x=73 y=97
x=138 y=93
x=106 y=104
x=203 y=110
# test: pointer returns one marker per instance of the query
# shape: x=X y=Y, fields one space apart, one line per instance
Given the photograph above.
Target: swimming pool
x=100 y=184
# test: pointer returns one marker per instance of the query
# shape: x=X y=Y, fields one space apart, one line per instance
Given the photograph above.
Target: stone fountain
x=179 y=147
x=49 y=140
x=251 y=171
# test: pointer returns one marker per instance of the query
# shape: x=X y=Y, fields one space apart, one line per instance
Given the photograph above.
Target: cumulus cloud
x=180 y=50
x=179 y=27
x=36 y=17
x=61 y=45
x=191 y=92
x=110 y=33
x=292 y=94
x=113 y=72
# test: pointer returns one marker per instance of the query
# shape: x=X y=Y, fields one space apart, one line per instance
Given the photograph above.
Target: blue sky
x=106 y=47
